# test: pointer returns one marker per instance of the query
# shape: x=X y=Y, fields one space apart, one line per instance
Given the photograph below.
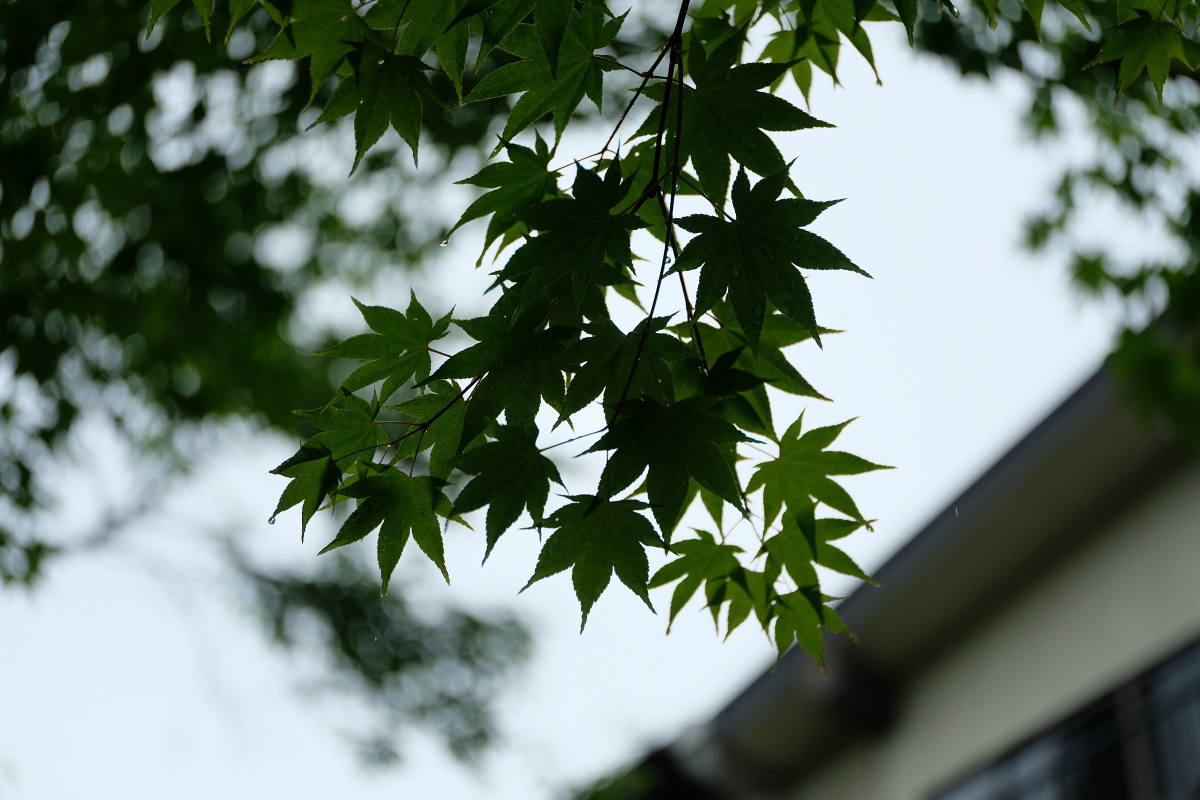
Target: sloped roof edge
x=1046 y=494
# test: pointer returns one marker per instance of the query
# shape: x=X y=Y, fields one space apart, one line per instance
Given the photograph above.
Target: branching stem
x=674 y=66
x=572 y=439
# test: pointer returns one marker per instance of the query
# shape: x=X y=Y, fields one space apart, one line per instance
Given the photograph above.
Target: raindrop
x=271 y=520
x=445 y=242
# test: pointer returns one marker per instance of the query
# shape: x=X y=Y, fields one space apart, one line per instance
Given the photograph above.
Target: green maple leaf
x=400 y=507
x=756 y=257
x=769 y=363
x=158 y=8
x=452 y=54
x=725 y=115
x=499 y=20
x=805 y=541
x=314 y=475
x=1145 y=43
x=670 y=443
x=604 y=362
x=577 y=237
x=701 y=559
x=387 y=91
x=511 y=474
x=396 y=352
x=237 y=10
x=793 y=551
x=596 y=538
x=325 y=31
x=550 y=19
x=519 y=368
x=545 y=89
x=741 y=592
x=816 y=38
x=1036 y=7
x=441 y=410
x=798 y=618
x=417 y=25
x=737 y=374
x=348 y=430
x=517 y=184
x=802 y=471
x=742 y=395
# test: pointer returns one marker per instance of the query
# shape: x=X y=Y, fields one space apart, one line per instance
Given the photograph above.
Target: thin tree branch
x=572 y=439
x=675 y=44
x=703 y=194
x=417 y=452
x=638 y=93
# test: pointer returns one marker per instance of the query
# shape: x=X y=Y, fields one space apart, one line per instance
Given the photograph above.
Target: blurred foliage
x=441 y=670
x=1139 y=168
x=141 y=184
x=656 y=777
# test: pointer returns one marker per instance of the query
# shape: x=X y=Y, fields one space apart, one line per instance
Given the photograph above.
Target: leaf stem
x=572 y=439
x=674 y=64
x=638 y=93
x=417 y=452
x=396 y=27
x=759 y=449
x=704 y=194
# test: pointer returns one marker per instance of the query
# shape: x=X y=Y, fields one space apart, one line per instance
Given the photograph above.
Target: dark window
x=1173 y=708
x=1139 y=742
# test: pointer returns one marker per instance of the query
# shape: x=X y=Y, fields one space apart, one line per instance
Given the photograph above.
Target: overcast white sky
x=957 y=347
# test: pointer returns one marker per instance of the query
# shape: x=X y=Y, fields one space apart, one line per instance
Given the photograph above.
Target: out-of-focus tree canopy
x=160 y=225
x=1141 y=166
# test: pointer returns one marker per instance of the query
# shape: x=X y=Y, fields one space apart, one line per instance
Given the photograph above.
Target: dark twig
x=396 y=27
x=417 y=452
x=572 y=439
x=675 y=63
x=419 y=427
x=704 y=194
x=638 y=93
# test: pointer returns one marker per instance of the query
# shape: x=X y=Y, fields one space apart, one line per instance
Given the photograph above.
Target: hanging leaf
x=596 y=538
x=755 y=258
x=802 y=471
x=397 y=351
x=401 y=507
x=511 y=474
x=670 y=443
x=552 y=90
x=1143 y=44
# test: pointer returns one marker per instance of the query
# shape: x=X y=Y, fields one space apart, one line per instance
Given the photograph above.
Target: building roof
x=1041 y=499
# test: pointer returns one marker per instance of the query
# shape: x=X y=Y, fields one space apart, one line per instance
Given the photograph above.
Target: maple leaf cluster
x=417 y=438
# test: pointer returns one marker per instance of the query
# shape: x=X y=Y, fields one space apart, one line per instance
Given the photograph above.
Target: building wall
x=1125 y=599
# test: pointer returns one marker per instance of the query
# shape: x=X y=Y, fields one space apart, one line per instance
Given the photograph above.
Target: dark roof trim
x=1039 y=499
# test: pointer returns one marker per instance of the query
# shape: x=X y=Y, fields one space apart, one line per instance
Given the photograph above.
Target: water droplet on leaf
x=271 y=520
